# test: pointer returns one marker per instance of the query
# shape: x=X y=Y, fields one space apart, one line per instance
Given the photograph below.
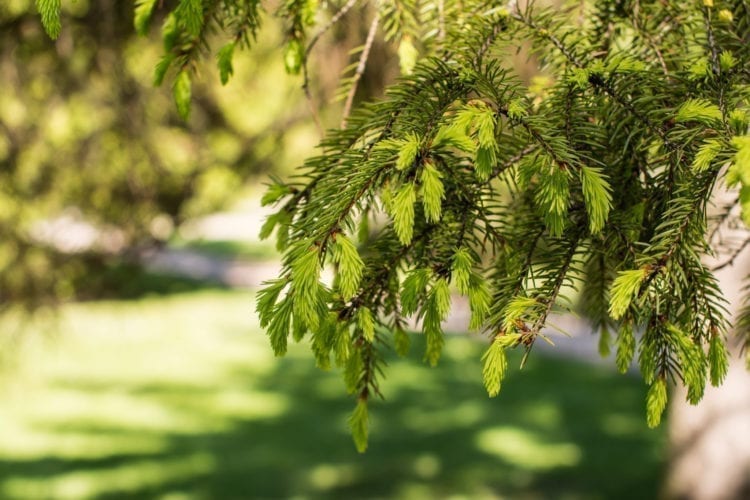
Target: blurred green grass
x=179 y=397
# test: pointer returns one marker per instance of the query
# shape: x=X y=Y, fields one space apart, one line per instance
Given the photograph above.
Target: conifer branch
x=615 y=145
x=545 y=33
x=561 y=275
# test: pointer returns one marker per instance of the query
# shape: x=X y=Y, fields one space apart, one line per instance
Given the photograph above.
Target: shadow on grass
x=559 y=429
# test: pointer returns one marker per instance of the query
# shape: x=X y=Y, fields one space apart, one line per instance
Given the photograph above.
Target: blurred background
x=131 y=361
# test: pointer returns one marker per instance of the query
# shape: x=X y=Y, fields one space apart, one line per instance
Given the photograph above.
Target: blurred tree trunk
x=710 y=442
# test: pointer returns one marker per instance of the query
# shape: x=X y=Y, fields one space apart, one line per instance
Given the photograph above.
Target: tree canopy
x=96 y=165
x=587 y=188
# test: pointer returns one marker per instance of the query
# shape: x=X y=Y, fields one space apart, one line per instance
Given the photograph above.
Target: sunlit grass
x=181 y=397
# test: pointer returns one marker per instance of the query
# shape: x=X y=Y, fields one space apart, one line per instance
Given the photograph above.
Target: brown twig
x=360 y=69
x=308 y=50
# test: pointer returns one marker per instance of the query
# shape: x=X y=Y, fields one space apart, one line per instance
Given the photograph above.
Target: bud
x=725 y=15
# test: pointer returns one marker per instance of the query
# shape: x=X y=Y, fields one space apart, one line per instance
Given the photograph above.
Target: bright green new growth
x=496 y=363
x=358 y=424
x=402 y=211
x=624 y=289
x=700 y=110
x=739 y=173
x=432 y=192
x=656 y=402
x=596 y=194
x=144 y=9
x=50 y=13
x=345 y=254
x=366 y=324
x=435 y=310
x=408 y=152
x=597 y=181
x=181 y=92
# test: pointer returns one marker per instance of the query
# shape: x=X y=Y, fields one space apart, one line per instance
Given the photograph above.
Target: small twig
x=721 y=219
x=305 y=72
x=360 y=69
x=338 y=15
x=730 y=261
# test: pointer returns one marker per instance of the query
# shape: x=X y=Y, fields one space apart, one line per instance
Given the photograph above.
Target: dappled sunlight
x=325 y=477
x=34 y=440
x=438 y=420
x=128 y=479
x=180 y=396
x=541 y=415
x=523 y=449
x=427 y=466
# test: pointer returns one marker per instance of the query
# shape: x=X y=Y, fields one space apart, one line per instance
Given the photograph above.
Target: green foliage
x=366 y=324
x=598 y=174
x=182 y=94
x=408 y=151
x=700 y=110
x=461 y=269
x=274 y=193
x=706 y=154
x=693 y=363
x=413 y=289
x=224 y=58
x=407 y=56
x=496 y=363
x=87 y=143
x=358 y=424
x=718 y=360
x=739 y=173
x=596 y=193
x=350 y=266
x=144 y=9
x=307 y=293
x=435 y=310
x=50 y=12
x=293 y=56
x=266 y=299
x=189 y=15
x=625 y=347
x=624 y=290
x=656 y=402
x=600 y=177
x=402 y=211
x=480 y=300
x=433 y=192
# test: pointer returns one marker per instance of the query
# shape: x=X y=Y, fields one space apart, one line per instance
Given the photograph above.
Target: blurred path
x=238 y=273
x=242 y=224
